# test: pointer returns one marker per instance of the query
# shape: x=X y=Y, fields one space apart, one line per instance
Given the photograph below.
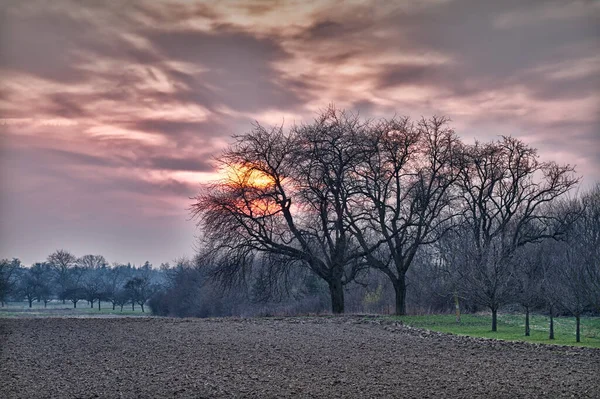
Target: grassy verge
x=511 y=327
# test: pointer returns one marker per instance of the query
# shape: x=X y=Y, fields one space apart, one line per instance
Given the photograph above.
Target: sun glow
x=244 y=176
x=253 y=190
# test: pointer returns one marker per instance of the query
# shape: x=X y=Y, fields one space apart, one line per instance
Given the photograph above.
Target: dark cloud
x=338 y=58
x=170 y=127
x=469 y=31
x=405 y=74
x=153 y=190
x=239 y=70
x=41 y=45
x=71 y=158
x=342 y=23
x=364 y=106
x=544 y=86
x=185 y=134
x=175 y=13
x=54 y=41
x=66 y=105
x=259 y=8
x=197 y=164
x=488 y=44
x=325 y=30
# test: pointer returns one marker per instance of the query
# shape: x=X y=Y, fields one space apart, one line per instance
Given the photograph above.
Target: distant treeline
x=66 y=278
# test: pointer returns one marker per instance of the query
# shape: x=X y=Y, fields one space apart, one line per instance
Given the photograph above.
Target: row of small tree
x=555 y=275
x=64 y=277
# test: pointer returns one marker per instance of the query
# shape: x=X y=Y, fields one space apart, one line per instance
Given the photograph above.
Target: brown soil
x=342 y=357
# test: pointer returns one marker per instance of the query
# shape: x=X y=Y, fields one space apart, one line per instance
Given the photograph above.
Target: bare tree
x=576 y=257
x=42 y=273
x=62 y=261
x=480 y=283
x=572 y=289
x=93 y=285
x=286 y=195
x=74 y=291
x=27 y=285
x=140 y=290
x=7 y=277
x=121 y=298
x=588 y=232
x=92 y=261
x=506 y=191
x=529 y=278
x=550 y=281
x=451 y=252
x=114 y=280
x=33 y=283
x=405 y=182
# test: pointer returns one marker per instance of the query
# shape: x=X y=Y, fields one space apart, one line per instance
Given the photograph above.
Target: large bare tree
x=284 y=200
x=405 y=183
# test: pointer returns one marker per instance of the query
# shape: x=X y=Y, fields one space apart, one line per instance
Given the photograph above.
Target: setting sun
x=245 y=176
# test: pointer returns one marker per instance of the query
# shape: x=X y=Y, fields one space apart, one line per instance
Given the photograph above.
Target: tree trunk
x=30 y=302
x=551 y=335
x=121 y=307
x=99 y=304
x=91 y=304
x=336 y=289
x=114 y=305
x=527 y=330
x=400 y=290
x=578 y=329
x=74 y=304
x=494 y=319
x=133 y=306
x=457 y=307
x=142 y=305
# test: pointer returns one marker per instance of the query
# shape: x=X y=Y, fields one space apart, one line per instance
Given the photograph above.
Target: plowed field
x=340 y=357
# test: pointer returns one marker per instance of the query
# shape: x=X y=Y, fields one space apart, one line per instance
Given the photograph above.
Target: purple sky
x=110 y=112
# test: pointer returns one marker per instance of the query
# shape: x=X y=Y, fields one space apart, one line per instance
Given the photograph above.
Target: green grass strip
x=511 y=327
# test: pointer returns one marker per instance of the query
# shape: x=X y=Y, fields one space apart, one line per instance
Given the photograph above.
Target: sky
x=111 y=113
